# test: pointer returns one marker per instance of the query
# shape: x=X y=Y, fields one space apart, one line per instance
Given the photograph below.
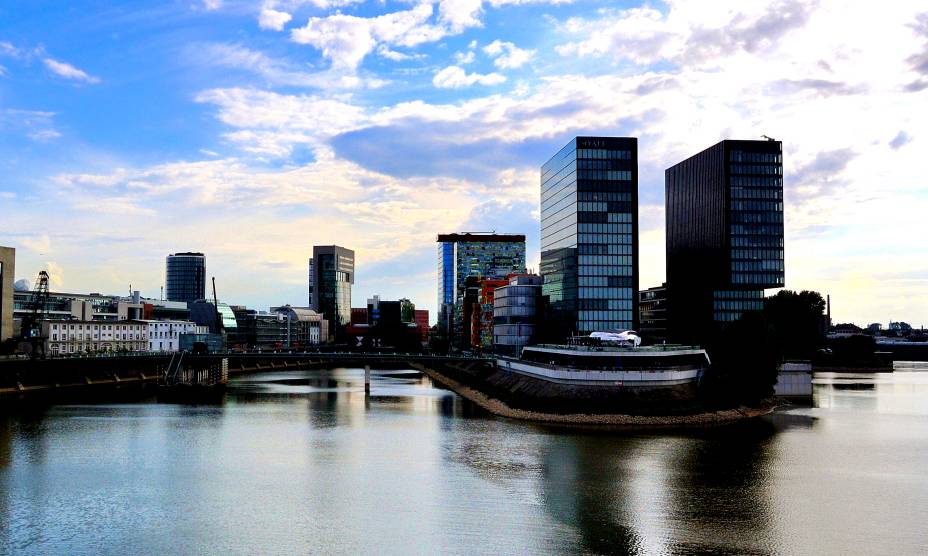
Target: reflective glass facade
x=445 y=283
x=185 y=277
x=333 y=275
x=589 y=235
x=724 y=234
x=481 y=255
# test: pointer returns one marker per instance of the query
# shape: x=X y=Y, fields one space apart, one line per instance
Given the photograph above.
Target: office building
x=484 y=255
x=421 y=319
x=7 y=273
x=518 y=309
x=204 y=313
x=80 y=336
x=652 y=314
x=185 y=277
x=164 y=336
x=589 y=236
x=478 y=311
x=724 y=211
x=332 y=276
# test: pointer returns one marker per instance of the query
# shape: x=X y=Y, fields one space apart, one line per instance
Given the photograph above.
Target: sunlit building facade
x=333 y=275
x=589 y=236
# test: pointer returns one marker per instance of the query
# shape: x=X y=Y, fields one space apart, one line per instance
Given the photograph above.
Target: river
x=304 y=462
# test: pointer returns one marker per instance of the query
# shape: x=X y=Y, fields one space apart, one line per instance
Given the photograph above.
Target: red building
x=422 y=323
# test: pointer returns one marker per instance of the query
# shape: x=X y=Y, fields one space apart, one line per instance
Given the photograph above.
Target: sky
x=252 y=130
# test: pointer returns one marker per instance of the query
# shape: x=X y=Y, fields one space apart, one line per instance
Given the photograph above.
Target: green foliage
x=796 y=323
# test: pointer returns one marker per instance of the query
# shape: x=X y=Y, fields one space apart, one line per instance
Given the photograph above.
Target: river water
x=304 y=462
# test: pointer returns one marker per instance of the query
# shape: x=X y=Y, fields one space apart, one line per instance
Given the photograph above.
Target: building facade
x=185 y=277
x=7 y=273
x=65 y=337
x=652 y=314
x=472 y=255
x=724 y=214
x=333 y=274
x=589 y=236
x=518 y=309
x=164 y=336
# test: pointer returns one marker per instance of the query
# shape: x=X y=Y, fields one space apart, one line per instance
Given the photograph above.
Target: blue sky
x=253 y=129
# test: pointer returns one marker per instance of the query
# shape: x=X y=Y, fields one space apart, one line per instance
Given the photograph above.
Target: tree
x=743 y=367
x=796 y=322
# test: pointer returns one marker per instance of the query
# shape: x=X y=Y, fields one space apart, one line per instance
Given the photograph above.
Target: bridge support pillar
x=367 y=380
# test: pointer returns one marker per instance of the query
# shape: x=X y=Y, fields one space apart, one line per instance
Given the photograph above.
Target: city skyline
x=403 y=121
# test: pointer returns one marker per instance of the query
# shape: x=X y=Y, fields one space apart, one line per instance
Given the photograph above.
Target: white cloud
x=464 y=58
x=507 y=55
x=460 y=14
x=385 y=52
x=212 y=5
x=273 y=19
x=453 y=77
x=67 y=71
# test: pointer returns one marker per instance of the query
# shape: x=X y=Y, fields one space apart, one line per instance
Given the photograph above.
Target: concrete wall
x=7 y=273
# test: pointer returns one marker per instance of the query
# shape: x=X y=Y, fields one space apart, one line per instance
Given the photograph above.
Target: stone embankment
x=500 y=408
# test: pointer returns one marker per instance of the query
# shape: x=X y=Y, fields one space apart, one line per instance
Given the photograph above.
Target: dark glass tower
x=333 y=275
x=589 y=236
x=185 y=277
x=724 y=235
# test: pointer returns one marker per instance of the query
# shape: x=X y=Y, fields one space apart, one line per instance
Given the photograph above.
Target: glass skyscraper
x=472 y=254
x=724 y=235
x=589 y=236
x=185 y=277
x=333 y=275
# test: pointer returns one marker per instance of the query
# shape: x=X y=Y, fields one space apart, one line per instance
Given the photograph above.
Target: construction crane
x=32 y=341
x=767 y=137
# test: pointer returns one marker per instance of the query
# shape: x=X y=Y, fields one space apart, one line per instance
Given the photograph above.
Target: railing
x=618 y=349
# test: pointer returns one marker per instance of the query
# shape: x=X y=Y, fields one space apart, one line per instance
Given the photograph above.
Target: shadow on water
x=699 y=491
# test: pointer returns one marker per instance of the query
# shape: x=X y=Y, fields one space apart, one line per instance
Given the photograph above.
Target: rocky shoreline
x=499 y=408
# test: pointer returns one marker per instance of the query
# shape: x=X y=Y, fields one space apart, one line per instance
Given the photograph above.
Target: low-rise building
x=652 y=314
x=64 y=337
x=7 y=270
x=165 y=335
x=518 y=309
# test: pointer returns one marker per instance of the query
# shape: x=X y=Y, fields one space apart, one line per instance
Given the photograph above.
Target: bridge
x=72 y=375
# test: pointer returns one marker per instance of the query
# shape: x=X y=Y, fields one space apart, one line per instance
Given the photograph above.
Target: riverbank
x=614 y=420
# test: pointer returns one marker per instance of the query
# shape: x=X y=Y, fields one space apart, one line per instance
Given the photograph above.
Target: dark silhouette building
x=652 y=314
x=589 y=236
x=724 y=211
x=332 y=270
x=185 y=277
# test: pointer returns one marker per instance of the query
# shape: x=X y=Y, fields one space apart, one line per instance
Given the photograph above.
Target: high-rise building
x=518 y=308
x=332 y=277
x=312 y=282
x=7 y=270
x=589 y=236
x=724 y=235
x=486 y=255
x=185 y=277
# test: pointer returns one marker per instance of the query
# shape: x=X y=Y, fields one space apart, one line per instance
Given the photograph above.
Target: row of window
x=757 y=205
x=586 y=327
x=756 y=241
x=755 y=181
x=603 y=206
x=738 y=305
x=757 y=217
x=770 y=279
x=96 y=327
x=726 y=317
x=604 y=217
x=605 y=270
x=604 y=154
x=71 y=348
x=593 y=228
x=605 y=260
x=741 y=193
x=79 y=336
x=757 y=266
x=613 y=175
x=604 y=249
x=757 y=254
x=738 y=294
x=601 y=165
x=614 y=283
x=741 y=156
x=601 y=293
x=756 y=169
x=625 y=239
x=764 y=230
x=604 y=196
x=605 y=315
x=606 y=304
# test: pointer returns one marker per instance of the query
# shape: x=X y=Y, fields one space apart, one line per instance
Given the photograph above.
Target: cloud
x=900 y=140
x=460 y=14
x=212 y=5
x=454 y=77
x=507 y=55
x=37 y=125
x=67 y=71
x=820 y=87
x=389 y=54
x=273 y=20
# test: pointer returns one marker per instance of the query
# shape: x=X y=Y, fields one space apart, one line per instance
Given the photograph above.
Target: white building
x=164 y=335
x=83 y=336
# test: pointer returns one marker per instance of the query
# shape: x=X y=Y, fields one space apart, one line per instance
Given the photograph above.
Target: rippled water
x=303 y=462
